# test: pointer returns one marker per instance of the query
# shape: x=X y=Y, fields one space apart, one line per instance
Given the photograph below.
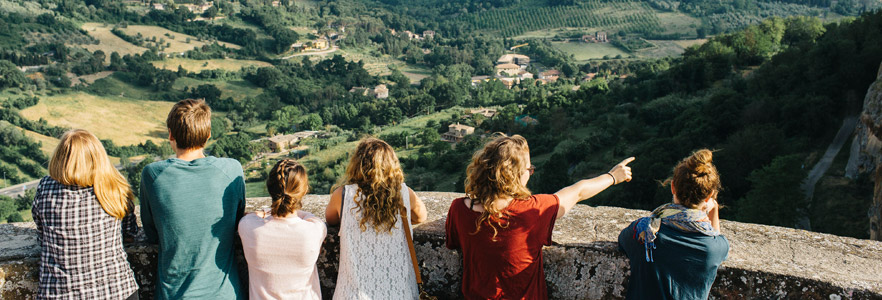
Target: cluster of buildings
x=510 y=69
x=317 y=44
x=379 y=91
x=427 y=34
x=194 y=8
x=599 y=37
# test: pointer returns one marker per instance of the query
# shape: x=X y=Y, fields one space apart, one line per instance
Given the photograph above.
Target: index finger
x=627 y=161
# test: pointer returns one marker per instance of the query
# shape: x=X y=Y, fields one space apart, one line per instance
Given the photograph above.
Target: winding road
x=821 y=167
x=848 y=126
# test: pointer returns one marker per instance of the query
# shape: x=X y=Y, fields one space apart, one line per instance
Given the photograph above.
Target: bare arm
x=332 y=212
x=714 y=214
x=587 y=188
x=418 y=212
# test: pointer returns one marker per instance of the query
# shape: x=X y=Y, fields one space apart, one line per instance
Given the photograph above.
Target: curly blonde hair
x=287 y=183
x=494 y=174
x=374 y=168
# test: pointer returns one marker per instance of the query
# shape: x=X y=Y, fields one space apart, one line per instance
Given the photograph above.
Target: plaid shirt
x=82 y=253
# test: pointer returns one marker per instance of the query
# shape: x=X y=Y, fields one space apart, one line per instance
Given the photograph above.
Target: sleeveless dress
x=373 y=265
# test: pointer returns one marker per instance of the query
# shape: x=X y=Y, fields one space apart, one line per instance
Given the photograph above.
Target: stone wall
x=765 y=262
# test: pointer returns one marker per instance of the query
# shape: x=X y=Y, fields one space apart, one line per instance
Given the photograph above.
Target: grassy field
x=109 y=42
x=117 y=86
x=381 y=65
x=123 y=120
x=585 y=51
x=678 y=23
x=238 y=89
x=178 y=43
x=48 y=143
x=668 y=48
x=256 y=189
x=195 y=65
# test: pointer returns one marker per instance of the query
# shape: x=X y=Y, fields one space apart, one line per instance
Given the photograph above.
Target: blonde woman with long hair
x=374 y=257
x=500 y=226
x=80 y=209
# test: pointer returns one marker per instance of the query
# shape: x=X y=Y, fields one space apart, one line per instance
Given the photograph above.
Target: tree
x=14 y=217
x=116 y=62
x=266 y=77
x=311 y=122
x=24 y=201
x=11 y=76
x=209 y=92
x=775 y=197
x=7 y=207
x=211 y=12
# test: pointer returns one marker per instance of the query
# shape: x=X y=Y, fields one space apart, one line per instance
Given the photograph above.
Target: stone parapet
x=765 y=262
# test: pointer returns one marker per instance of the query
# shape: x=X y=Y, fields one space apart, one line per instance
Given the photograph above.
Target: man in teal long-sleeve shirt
x=190 y=206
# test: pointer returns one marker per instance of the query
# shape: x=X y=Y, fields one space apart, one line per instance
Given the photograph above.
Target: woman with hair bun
x=282 y=248
x=676 y=250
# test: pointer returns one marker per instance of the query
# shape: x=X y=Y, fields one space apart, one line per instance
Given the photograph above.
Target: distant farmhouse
x=508 y=70
x=199 y=9
x=284 y=142
x=317 y=44
x=486 y=112
x=599 y=37
x=550 y=75
x=517 y=59
x=379 y=91
x=456 y=132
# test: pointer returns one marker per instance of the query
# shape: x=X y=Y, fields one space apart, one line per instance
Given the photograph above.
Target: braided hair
x=286 y=184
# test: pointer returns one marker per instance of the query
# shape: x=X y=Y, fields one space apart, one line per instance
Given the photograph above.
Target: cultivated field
x=125 y=121
x=109 y=42
x=178 y=43
x=678 y=23
x=585 y=51
x=669 y=48
x=194 y=65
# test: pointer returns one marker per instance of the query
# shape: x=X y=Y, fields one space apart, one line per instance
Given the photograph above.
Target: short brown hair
x=287 y=183
x=695 y=178
x=189 y=123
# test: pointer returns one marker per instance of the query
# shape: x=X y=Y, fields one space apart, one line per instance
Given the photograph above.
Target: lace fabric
x=373 y=265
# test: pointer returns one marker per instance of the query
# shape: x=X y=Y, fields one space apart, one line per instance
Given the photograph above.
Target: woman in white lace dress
x=374 y=257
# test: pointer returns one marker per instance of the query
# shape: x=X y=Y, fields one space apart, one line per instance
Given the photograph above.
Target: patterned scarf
x=673 y=215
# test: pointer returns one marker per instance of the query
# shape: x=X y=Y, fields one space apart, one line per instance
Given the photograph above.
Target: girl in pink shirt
x=282 y=248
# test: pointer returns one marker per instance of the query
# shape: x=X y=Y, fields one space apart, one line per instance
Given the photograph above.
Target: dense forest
x=766 y=92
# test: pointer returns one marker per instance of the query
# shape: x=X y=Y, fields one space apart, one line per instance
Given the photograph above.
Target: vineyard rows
x=622 y=15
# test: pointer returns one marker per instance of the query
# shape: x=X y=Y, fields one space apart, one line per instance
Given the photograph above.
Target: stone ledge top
x=842 y=261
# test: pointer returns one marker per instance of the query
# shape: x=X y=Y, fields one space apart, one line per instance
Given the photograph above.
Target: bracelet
x=613 y=177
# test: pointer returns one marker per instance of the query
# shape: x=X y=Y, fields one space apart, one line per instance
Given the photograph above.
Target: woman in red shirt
x=500 y=227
